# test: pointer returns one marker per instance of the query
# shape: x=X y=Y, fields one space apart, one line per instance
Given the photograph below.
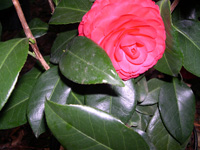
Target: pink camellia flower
x=130 y=31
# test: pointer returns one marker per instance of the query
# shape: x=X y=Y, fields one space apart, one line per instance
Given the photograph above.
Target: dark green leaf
x=152 y=97
x=147 y=110
x=146 y=138
x=159 y=136
x=14 y=112
x=75 y=98
x=171 y=62
x=69 y=11
x=49 y=86
x=142 y=89
x=5 y=4
x=189 y=39
x=38 y=27
x=13 y=54
x=60 y=45
x=177 y=108
x=118 y=101
x=83 y=127
x=87 y=63
x=139 y=121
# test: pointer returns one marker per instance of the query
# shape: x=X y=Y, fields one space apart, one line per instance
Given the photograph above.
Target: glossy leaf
x=171 y=62
x=5 y=4
x=87 y=63
x=139 y=121
x=146 y=138
x=142 y=89
x=152 y=97
x=38 y=27
x=146 y=110
x=14 y=113
x=75 y=98
x=60 y=45
x=49 y=86
x=177 y=108
x=189 y=44
x=69 y=11
x=83 y=127
x=159 y=136
x=118 y=101
x=13 y=54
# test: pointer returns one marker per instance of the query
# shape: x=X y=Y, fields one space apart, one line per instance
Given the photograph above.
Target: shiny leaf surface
x=14 y=112
x=118 y=101
x=159 y=136
x=177 y=108
x=142 y=89
x=13 y=54
x=83 y=127
x=152 y=97
x=171 y=62
x=146 y=138
x=189 y=36
x=60 y=45
x=139 y=121
x=38 y=27
x=146 y=110
x=87 y=63
x=69 y=11
x=49 y=86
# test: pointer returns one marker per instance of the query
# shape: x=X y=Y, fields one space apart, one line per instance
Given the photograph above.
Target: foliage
x=81 y=98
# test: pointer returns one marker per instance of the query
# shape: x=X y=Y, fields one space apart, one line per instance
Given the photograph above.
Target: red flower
x=130 y=31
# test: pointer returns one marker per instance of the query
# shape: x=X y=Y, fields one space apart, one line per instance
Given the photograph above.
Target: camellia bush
x=95 y=91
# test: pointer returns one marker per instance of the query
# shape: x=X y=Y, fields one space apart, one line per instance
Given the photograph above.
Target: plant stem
x=174 y=4
x=29 y=34
x=51 y=6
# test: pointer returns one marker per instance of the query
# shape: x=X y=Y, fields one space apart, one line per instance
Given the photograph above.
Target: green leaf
x=88 y=63
x=118 y=101
x=38 y=27
x=69 y=11
x=75 y=98
x=139 y=121
x=189 y=39
x=171 y=62
x=146 y=138
x=13 y=54
x=142 y=89
x=152 y=97
x=83 y=127
x=5 y=4
x=147 y=110
x=60 y=45
x=159 y=136
x=177 y=108
x=14 y=112
x=49 y=86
